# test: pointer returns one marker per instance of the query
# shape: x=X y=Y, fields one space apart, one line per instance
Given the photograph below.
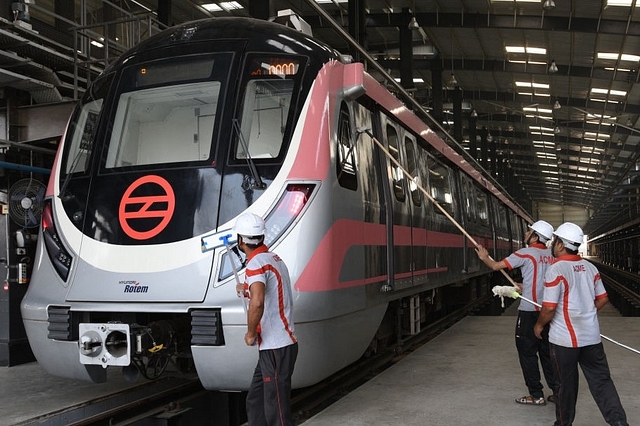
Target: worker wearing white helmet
x=269 y=325
x=533 y=261
x=573 y=295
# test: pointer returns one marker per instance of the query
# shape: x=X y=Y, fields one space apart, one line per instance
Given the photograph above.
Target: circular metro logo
x=159 y=207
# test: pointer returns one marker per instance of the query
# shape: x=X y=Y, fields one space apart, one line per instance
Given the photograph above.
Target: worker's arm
x=601 y=302
x=546 y=315
x=254 y=315
x=483 y=254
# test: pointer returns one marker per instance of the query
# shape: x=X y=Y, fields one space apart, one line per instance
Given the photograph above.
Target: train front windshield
x=191 y=121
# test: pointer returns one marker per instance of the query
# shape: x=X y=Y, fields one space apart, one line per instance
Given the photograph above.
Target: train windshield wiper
x=257 y=181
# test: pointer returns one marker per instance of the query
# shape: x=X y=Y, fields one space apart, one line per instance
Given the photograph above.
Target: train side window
x=411 y=168
x=503 y=217
x=482 y=207
x=440 y=185
x=346 y=164
x=396 y=173
x=468 y=192
x=84 y=125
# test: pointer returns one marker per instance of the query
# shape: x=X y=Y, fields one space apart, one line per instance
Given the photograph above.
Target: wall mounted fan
x=26 y=198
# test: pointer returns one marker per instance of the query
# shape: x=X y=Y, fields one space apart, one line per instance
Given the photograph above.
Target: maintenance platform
x=470 y=375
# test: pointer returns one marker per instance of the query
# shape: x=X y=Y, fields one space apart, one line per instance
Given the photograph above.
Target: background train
x=213 y=118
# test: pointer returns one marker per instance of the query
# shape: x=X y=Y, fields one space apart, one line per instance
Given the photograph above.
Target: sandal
x=529 y=400
x=551 y=398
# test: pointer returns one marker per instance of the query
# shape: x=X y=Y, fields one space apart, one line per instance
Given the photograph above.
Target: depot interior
x=544 y=94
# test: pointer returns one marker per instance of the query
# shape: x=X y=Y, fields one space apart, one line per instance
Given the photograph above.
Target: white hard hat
x=571 y=234
x=249 y=225
x=543 y=229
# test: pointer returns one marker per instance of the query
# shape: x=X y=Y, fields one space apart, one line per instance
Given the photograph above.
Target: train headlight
x=59 y=256
x=289 y=206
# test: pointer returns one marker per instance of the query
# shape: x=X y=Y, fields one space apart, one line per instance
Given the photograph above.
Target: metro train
x=204 y=121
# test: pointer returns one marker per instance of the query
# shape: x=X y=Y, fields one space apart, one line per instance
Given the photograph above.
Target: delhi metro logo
x=144 y=216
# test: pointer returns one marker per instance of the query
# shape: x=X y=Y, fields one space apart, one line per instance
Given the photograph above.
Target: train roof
x=259 y=35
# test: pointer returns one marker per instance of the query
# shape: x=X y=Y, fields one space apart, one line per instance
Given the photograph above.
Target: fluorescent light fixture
x=608 y=92
x=534 y=85
x=547 y=129
x=332 y=1
x=619 y=2
x=603 y=100
x=211 y=7
x=523 y=49
x=629 y=58
x=97 y=43
x=514 y=49
x=231 y=5
x=614 y=56
x=605 y=55
x=522 y=61
x=515 y=1
x=617 y=69
x=538 y=110
x=536 y=50
x=415 y=80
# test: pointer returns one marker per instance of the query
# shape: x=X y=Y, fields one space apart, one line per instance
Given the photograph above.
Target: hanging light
x=556 y=130
x=413 y=24
x=557 y=105
x=549 y=5
x=474 y=114
x=553 y=68
x=453 y=81
x=629 y=122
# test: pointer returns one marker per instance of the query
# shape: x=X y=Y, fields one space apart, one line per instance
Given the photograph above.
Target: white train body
x=131 y=266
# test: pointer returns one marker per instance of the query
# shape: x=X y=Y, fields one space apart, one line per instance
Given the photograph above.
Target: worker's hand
x=537 y=330
x=482 y=252
x=519 y=286
x=241 y=290
x=250 y=338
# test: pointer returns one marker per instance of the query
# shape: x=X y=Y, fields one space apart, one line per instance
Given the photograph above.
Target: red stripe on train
x=322 y=272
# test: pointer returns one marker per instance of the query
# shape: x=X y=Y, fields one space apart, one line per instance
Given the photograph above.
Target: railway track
x=623 y=288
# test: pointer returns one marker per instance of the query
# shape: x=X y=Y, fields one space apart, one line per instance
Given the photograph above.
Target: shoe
x=529 y=400
x=551 y=398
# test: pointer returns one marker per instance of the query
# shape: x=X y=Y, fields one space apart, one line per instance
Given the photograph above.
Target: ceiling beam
x=493 y=21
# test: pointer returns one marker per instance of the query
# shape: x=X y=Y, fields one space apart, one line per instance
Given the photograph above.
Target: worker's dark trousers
x=269 y=397
x=529 y=349
x=593 y=362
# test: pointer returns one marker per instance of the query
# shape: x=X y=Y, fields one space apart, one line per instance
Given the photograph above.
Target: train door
x=515 y=228
x=418 y=218
x=499 y=214
x=399 y=223
x=473 y=223
x=444 y=259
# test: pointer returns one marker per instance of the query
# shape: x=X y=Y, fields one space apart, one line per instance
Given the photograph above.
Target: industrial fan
x=25 y=202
